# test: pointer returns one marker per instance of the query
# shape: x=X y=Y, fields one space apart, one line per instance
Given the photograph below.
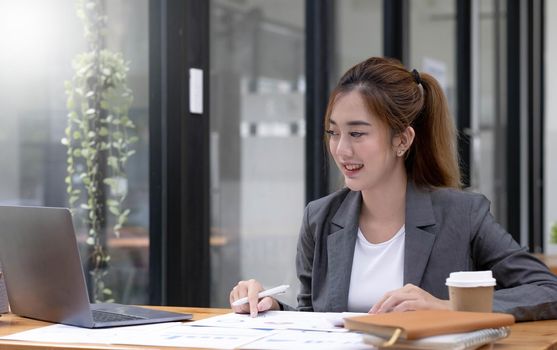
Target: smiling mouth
x=353 y=167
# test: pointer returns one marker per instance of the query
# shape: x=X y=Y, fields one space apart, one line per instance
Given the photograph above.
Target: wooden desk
x=10 y=324
x=524 y=336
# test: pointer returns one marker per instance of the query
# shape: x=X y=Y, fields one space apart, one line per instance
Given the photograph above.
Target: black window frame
x=179 y=159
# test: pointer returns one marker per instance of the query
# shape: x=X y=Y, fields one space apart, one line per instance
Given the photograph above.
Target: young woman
x=388 y=241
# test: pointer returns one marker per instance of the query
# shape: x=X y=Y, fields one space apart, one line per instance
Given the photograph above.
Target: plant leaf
x=114 y=211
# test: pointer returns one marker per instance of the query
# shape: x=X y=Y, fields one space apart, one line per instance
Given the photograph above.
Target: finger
x=265 y=304
x=409 y=305
x=241 y=291
x=378 y=304
x=244 y=309
x=393 y=301
x=384 y=306
x=253 y=299
x=235 y=294
x=407 y=289
x=241 y=309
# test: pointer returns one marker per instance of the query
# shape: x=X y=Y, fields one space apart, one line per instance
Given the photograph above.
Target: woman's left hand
x=408 y=298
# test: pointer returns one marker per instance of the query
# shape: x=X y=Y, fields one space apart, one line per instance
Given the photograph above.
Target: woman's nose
x=344 y=147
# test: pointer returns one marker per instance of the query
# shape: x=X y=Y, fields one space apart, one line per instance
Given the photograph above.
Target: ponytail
x=432 y=160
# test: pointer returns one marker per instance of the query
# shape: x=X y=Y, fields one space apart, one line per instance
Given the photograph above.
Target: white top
x=376 y=269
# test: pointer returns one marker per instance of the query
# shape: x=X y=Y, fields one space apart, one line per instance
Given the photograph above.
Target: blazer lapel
x=420 y=233
x=340 y=250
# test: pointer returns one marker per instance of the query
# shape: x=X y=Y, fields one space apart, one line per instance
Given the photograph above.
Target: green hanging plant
x=98 y=139
x=554 y=233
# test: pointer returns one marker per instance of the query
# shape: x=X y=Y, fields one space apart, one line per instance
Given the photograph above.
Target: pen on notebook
x=263 y=294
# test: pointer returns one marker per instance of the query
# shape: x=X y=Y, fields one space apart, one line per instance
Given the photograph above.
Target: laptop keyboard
x=104 y=316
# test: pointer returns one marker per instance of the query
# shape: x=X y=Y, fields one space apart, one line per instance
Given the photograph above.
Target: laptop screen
x=41 y=264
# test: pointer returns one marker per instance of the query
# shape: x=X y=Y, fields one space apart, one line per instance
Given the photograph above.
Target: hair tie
x=417 y=77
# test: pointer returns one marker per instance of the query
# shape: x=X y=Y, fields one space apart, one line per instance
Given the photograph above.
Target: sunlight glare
x=26 y=28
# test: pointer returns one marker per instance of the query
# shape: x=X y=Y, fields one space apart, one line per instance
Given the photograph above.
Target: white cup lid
x=467 y=279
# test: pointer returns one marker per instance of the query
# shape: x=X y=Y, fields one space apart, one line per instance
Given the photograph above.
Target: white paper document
x=59 y=333
x=269 y=330
x=162 y=334
x=197 y=337
x=314 y=321
x=310 y=340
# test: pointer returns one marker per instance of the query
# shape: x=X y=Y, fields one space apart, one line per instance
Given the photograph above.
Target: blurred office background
x=217 y=195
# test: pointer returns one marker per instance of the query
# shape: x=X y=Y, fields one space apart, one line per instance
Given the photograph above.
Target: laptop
x=44 y=277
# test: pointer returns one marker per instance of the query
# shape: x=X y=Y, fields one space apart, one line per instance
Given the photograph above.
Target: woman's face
x=361 y=144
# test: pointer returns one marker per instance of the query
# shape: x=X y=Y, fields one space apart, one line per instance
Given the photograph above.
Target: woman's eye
x=331 y=132
x=356 y=134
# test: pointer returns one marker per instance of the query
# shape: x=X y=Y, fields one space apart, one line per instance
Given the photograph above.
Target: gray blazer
x=446 y=230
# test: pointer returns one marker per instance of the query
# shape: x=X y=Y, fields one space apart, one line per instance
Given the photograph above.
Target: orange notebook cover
x=424 y=323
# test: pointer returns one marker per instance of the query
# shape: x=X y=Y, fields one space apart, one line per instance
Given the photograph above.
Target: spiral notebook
x=419 y=324
x=455 y=341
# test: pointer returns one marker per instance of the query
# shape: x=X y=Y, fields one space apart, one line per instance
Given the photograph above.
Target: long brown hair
x=402 y=99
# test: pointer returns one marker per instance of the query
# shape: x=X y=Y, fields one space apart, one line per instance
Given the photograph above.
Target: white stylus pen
x=263 y=294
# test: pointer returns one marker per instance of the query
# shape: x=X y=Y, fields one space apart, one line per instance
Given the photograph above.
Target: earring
x=400 y=153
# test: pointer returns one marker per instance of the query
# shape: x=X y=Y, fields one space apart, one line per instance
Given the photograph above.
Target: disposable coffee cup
x=471 y=290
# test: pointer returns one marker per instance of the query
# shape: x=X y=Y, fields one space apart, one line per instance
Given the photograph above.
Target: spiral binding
x=460 y=341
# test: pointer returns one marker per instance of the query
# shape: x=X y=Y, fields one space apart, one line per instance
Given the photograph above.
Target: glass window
x=434 y=19
x=358 y=35
x=257 y=142
x=40 y=40
x=489 y=178
x=550 y=129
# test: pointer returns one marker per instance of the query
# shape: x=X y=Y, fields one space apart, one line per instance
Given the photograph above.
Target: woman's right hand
x=250 y=289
